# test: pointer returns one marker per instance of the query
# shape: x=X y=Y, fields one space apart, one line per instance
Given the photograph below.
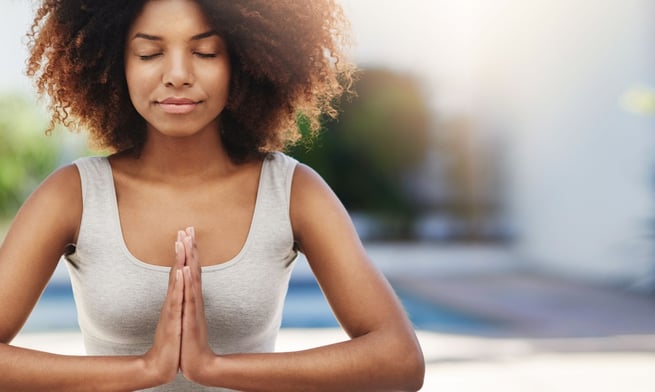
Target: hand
x=195 y=352
x=163 y=358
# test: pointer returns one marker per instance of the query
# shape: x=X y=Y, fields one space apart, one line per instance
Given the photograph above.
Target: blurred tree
x=26 y=155
x=381 y=134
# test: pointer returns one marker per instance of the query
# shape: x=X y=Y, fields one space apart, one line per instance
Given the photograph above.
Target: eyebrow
x=196 y=37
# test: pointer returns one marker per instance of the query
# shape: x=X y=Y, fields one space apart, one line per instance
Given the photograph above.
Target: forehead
x=170 y=18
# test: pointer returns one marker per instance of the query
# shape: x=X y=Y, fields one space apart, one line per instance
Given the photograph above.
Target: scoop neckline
x=118 y=229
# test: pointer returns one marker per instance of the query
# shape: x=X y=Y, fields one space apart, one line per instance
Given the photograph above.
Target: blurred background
x=498 y=162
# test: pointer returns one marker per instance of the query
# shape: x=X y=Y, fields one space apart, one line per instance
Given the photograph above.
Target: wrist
x=152 y=372
x=205 y=370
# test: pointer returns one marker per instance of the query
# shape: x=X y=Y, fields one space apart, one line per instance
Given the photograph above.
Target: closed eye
x=147 y=57
x=205 y=55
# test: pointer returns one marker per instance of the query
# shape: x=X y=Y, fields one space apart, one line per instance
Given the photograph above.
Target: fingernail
x=178 y=247
x=191 y=231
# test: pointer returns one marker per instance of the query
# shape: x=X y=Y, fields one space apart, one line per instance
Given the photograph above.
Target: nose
x=178 y=71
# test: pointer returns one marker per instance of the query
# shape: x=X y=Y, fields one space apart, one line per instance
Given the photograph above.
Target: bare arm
x=48 y=221
x=383 y=353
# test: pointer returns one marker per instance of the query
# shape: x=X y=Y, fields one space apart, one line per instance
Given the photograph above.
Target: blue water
x=305 y=307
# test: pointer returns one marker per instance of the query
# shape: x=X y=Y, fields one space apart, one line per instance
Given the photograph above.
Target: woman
x=195 y=98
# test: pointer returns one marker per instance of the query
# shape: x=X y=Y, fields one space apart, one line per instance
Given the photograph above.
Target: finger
x=189 y=296
x=192 y=288
x=188 y=249
x=180 y=238
x=179 y=263
x=180 y=255
x=191 y=254
x=178 y=295
x=172 y=309
x=191 y=232
x=188 y=284
x=195 y=287
x=172 y=318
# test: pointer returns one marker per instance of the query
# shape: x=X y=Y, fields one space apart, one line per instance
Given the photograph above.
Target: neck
x=189 y=157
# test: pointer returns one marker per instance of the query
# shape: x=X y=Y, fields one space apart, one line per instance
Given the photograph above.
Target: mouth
x=175 y=105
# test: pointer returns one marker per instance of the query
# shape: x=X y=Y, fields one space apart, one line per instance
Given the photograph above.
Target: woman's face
x=177 y=68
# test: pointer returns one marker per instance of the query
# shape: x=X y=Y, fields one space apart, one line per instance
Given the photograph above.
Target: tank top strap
x=276 y=180
x=271 y=218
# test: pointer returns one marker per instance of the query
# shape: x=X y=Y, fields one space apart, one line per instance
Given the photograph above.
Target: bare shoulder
x=316 y=210
x=305 y=177
x=309 y=191
x=62 y=186
x=67 y=176
x=57 y=202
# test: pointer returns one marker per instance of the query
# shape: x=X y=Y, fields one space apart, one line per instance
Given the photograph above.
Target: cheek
x=130 y=79
x=222 y=85
x=136 y=86
x=217 y=76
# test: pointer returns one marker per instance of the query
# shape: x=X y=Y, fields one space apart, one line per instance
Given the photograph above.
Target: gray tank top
x=119 y=297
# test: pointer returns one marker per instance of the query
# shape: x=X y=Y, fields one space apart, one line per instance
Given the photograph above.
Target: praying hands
x=180 y=341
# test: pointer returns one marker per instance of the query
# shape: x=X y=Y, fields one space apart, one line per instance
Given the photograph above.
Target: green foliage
x=381 y=135
x=26 y=155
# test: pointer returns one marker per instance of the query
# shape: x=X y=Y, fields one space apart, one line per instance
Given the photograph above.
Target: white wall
x=581 y=167
x=15 y=18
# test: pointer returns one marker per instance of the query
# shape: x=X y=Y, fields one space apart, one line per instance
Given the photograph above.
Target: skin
x=185 y=179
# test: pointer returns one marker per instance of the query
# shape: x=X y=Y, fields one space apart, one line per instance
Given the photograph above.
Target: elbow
x=414 y=369
x=405 y=365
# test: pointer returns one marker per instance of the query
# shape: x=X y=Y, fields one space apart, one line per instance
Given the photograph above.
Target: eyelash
x=149 y=57
x=205 y=55
x=201 y=55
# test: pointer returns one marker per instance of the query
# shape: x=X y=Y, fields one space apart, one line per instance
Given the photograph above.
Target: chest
x=221 y=215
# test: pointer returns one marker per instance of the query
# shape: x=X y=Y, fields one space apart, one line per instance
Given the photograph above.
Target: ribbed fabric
x=119 y=297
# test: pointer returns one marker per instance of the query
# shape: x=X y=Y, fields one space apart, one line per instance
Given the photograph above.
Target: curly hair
x=288 y=62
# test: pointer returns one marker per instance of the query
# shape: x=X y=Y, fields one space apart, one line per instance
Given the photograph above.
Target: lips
x=176 y=105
